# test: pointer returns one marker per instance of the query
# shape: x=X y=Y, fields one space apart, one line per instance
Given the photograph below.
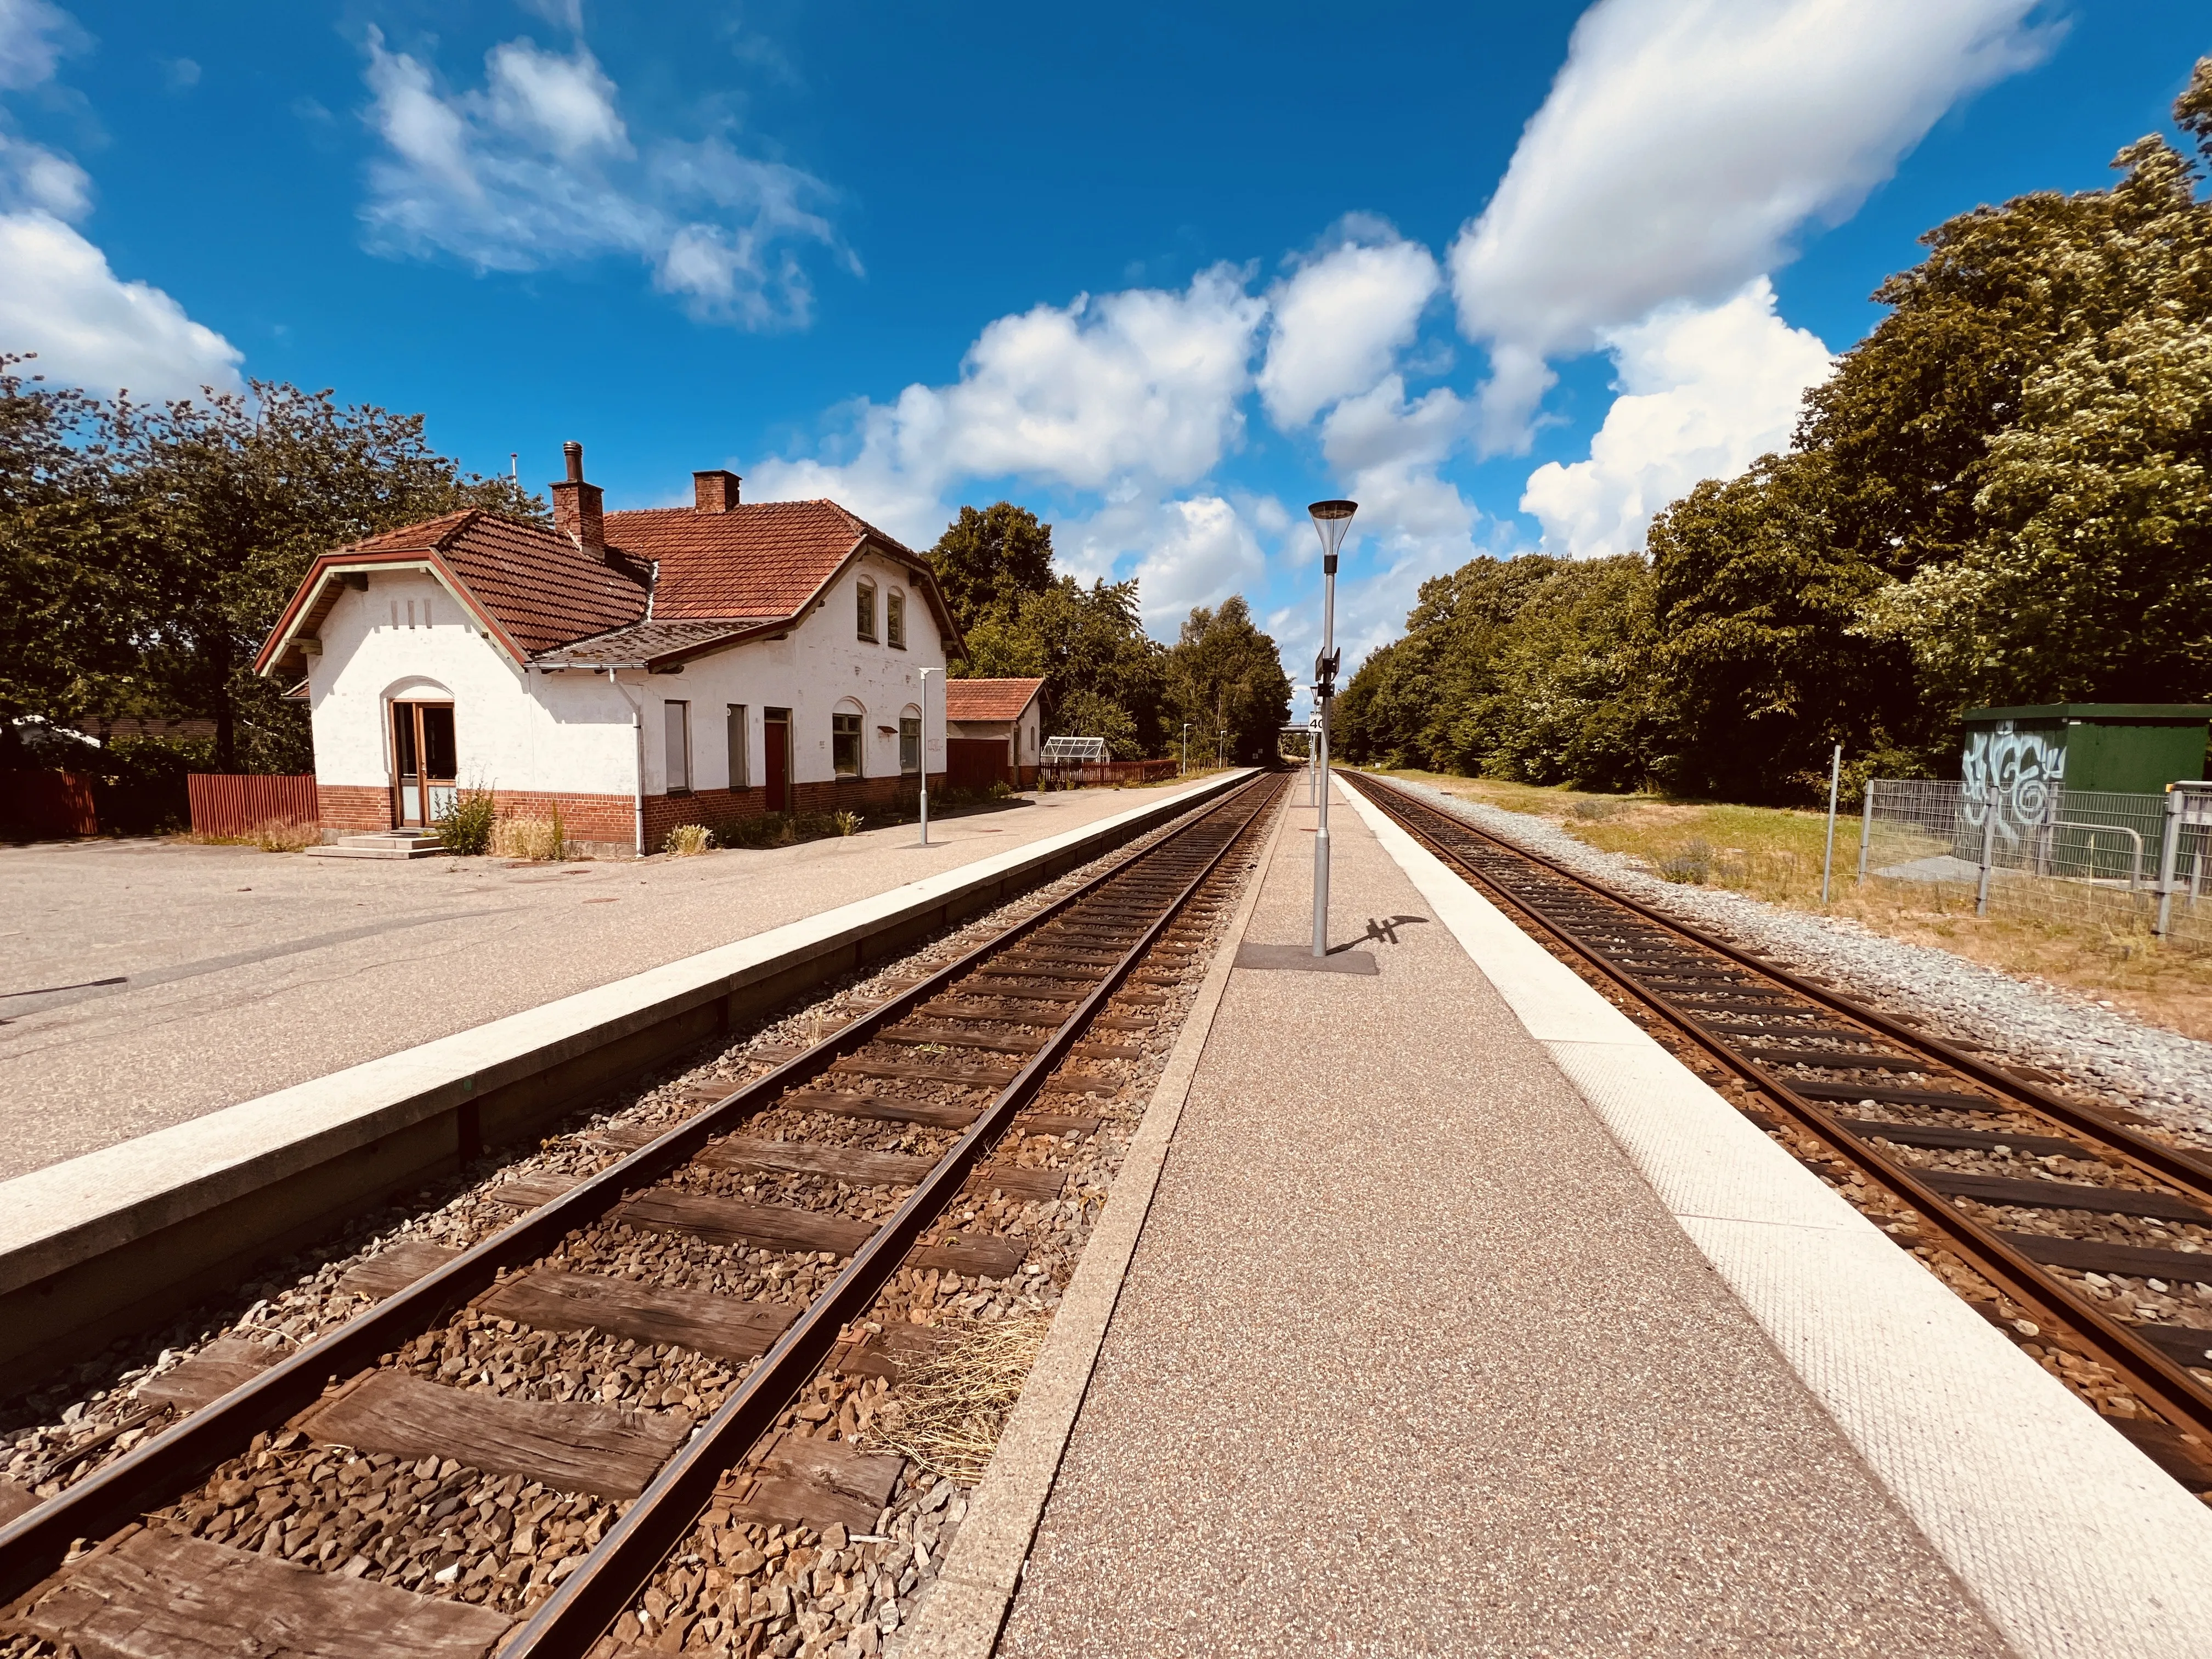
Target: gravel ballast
x=2101 y=1053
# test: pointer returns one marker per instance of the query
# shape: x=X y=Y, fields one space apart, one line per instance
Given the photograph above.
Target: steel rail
x=2160 y=1383
x=38 y=1541
x=570 y=1622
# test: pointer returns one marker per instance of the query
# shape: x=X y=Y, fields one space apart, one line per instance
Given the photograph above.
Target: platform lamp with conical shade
x=1331 y=519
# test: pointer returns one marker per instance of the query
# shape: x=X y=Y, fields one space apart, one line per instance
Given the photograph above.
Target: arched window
x=894 y=619
x=866 y=629
x=845 y=747
x=909 y=740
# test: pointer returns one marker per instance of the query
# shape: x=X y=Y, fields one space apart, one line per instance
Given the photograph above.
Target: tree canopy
x=1225 y=677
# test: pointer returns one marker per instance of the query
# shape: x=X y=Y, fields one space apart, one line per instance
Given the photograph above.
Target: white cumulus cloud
x=1704 y=390
x=1682 y=146
x=59 y=298
x=1133 y=394
x=1342 y=318
x=89 y=327
x=538 y=168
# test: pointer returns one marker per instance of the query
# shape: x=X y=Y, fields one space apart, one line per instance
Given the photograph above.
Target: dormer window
x=894 y=619
x=866 y=593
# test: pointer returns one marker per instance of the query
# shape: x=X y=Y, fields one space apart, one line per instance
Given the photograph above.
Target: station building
x=637 y=669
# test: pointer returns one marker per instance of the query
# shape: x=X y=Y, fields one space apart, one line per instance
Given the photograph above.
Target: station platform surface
x=193 y=977
x=1411 y=1359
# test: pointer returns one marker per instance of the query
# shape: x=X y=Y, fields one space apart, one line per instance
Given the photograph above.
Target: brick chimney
x=714 y=492
x=576 y=513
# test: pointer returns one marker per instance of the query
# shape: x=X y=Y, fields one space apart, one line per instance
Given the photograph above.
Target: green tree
x=66 y=646
x=1759 y=663
x=2089 y=577
x=1225 y=676
x=1573 y=698
x=987 y=562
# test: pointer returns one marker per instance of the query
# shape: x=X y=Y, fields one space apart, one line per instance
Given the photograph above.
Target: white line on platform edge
x=2075 y=1544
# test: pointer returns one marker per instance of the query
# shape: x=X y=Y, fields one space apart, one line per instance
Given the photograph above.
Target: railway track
x=372 y=1492
x=2087 y=1243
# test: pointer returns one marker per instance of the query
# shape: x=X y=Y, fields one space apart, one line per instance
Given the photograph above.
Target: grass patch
x=688 y=841
x=1774 y=853
x=948 y=1413
x=275 y=835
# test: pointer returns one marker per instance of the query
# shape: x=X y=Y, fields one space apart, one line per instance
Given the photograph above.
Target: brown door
x=424 y=761
x=775 y=741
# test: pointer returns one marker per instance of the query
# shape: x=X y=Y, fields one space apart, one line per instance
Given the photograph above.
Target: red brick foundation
x=609 y=822
x=717 y=807
x=353 y=809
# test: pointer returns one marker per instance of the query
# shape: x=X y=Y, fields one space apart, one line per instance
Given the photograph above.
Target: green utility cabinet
x=2119 y=748
x=2075 y=789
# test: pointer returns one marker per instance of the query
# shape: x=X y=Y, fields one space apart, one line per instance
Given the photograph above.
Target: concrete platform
x=1463 y=1319
x=193 y=977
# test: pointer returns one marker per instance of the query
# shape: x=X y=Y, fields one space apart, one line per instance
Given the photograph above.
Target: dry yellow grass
x=688 y=841
x=536 y=839
x=947 y=1415
x=1774 y=853
x=275 y=835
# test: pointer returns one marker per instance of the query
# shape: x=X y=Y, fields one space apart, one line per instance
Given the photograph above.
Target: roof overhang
x=284 y=653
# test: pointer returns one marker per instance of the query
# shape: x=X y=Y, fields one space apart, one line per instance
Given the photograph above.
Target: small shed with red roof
x=1009 y=712
x=637 y=669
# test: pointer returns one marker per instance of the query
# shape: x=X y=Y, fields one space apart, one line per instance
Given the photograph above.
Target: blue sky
x=1512 y=276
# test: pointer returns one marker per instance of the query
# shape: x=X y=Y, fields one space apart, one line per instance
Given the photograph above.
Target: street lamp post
x=1331 y=519
x=926 y=673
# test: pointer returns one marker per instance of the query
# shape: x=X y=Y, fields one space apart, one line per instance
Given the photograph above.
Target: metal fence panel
x=2038 y=849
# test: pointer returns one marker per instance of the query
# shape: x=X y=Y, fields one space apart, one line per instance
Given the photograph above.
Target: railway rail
x=2082 y=1237
x=466 y=1377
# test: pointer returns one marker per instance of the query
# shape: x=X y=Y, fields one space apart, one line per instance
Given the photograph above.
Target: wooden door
x=776 y=743
x=424 y=762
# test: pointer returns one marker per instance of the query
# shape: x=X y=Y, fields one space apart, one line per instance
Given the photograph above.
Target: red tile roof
x=758 y=564
x=758 y=559
x=543 y=589
x=988 y=700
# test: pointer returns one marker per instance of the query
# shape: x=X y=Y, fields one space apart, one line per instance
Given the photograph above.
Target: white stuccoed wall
x=571 y=732
x=812 y=671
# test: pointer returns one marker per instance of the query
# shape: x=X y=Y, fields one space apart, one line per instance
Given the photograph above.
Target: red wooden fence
x=1103 y=772
x=44 y=804
x=234 y=803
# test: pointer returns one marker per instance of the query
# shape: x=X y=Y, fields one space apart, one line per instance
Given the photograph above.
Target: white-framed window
x=678 y=715
x=865 y=629
x=740 y=751
x=894 y=619
x=845 y=745
x=910 y=743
